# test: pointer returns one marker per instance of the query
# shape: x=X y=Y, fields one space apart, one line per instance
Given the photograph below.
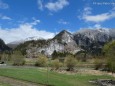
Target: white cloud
x=22 y=32
x=61 y=21
x=97 y=26
x=88 y=16
x=100 y=28
x=98 y=18
x=3 y=5
x=40 y=4
x=35 y=22
x=3 y=17
x=56 y=6
x=87 y=10
x=6 y=18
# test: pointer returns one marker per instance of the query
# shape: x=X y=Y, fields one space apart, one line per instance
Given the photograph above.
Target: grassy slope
x=40 y=76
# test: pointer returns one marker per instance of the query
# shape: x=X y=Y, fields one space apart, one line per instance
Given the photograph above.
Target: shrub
x=4 y=57
x=55 y=64
x=111 y=62
x=42 y=61
x=18 y=62
x=98 y=63
x=70 y=62
x=18 y=59
x=109 y=50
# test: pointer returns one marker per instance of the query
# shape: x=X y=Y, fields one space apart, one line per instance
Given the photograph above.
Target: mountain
x=112 y=33
x=91 y=40
x=14 y=44
x=62 y=42
x=64 y=37
x=3 y=46
x=86 y=37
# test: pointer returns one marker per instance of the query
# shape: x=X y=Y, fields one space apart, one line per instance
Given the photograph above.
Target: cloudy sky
x=20 y=19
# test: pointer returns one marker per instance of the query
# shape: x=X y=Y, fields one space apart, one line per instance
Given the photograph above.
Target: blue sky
x=20 y=19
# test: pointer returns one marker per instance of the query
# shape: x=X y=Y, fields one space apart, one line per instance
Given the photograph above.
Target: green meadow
x=42 y=77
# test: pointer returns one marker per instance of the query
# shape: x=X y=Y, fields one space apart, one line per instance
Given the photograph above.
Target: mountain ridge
x=68 y=42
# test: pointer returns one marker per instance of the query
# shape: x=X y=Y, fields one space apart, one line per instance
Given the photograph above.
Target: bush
x=42 y=61
x=98 y=63
x=18 y=59
x=55 y=64
x=18 y=62
x=4 y=57
x=70 y=62
x=111 y=63
x=109 y=50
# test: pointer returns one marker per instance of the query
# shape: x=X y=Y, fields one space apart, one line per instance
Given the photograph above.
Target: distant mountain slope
x=92 y=40
x=64 y=37
x=14 y=44
x=3 y=46
x=86 y=39
x=112 y=33
x=62 y=42
x=88 y=36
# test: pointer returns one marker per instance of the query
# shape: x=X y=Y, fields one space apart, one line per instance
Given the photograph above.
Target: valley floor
x=34 y=76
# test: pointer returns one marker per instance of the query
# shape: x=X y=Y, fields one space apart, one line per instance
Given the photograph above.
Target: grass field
x=4 y=84
x=38 y=75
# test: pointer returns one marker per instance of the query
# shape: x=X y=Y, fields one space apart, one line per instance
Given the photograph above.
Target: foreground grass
x=4 y=84
x=38 y=75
